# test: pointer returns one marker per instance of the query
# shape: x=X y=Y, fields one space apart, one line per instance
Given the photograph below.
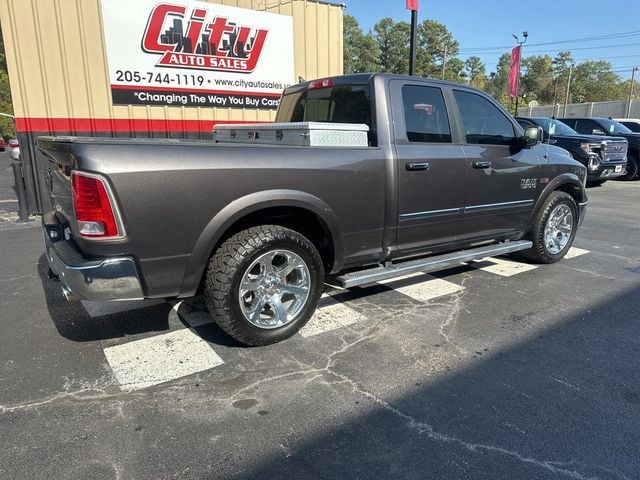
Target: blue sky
x=491 y=23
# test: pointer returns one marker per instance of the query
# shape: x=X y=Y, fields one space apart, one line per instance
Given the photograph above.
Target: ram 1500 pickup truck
x=445 y=176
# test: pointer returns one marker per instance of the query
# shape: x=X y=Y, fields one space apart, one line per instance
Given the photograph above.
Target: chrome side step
x=429 y=264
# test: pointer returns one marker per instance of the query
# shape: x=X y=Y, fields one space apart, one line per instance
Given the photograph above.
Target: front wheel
x=263 y=284
x=554 y=228
x=632 y=168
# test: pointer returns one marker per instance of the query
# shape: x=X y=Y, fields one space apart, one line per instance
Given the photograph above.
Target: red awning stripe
x=102 y=125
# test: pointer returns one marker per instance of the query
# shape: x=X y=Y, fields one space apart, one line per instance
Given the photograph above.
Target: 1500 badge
x=528 y=183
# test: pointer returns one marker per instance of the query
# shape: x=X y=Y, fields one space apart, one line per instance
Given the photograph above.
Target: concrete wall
x=617 y=109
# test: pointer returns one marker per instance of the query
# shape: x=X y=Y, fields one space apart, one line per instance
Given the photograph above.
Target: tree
x=497 y=86
x=434 y=39
x=537 y=80
x=595 y=82
x=6 y=124
x=361 y=52
x=393 y=42
x=475 y=71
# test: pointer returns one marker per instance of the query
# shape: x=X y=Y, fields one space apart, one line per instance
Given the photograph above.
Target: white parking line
x=194 y=312
x=422 y=287
x=575 y=252
x=330 y=315
x=502 y=267
x=151 y=361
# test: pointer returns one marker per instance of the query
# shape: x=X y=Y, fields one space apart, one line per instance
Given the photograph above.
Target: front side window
x=483 y=122
x=425 y=114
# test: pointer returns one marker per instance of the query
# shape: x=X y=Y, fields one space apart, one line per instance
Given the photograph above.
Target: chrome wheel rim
x=274 y=289
x=558 y=230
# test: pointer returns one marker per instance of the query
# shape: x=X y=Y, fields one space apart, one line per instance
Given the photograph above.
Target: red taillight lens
x=323 y=83
x=13 y=143
x=93 y=209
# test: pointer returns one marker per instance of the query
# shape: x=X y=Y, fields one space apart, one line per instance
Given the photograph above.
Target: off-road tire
x=229 y=263
x=539 y=252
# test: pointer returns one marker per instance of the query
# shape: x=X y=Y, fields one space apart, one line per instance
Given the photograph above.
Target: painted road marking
x=575 y=252
x=330 y=315
x=193 y=311
x=502 y=267
x=151 y=361
x=421 y=286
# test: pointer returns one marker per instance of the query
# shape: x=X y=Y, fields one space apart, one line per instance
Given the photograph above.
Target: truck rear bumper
x=105 y=279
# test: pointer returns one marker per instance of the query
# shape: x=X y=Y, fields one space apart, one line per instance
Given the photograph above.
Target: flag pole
x=520 y=43
x=413 y=6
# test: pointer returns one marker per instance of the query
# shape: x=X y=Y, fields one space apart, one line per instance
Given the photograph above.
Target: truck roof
x=365 y=78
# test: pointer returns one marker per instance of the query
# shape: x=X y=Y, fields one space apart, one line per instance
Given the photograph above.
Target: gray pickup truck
x=445 y=176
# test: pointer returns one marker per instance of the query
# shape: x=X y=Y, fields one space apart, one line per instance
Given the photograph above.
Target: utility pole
x=566 y=97
x=413 y=6
x=526 y=36
x=444 y=61
x=633 y=81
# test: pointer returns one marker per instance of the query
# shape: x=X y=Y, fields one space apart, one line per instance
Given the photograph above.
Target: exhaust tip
x=69 y=295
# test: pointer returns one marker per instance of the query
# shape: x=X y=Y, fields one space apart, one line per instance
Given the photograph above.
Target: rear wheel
x=554 y=228
x=263 y=284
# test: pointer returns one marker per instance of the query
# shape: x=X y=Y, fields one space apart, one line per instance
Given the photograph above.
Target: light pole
x=525 y=35
x=566 y=97
x=444 y=60
x=633 y=81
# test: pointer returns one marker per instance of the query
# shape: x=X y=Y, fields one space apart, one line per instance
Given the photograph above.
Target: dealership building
x=156 y=69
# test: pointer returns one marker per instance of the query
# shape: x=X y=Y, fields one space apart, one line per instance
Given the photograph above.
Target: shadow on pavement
x=74 y=322
x=565 y=403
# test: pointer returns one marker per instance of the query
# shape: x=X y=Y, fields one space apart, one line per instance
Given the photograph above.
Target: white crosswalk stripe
x=422 y=287
x=330 y=315
x=502 y=267
x=151 y=361
x=575 y=252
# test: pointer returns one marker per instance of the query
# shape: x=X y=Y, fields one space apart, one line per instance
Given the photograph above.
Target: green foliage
x=361 y=52
x=6 y=124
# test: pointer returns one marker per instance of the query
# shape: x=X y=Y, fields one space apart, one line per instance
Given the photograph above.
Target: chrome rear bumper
x=105 y=279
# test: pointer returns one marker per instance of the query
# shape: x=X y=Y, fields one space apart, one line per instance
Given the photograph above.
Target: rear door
x=430 y=166
x=502 y=176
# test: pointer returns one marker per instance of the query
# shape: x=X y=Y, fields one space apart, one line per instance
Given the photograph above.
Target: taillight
x=93 y=209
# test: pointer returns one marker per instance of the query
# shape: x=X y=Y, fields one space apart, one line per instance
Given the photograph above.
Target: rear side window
x=483 y=122
x=345 y=104
x=425 y=114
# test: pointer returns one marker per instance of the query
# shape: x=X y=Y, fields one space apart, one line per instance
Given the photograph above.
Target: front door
x=502 y=175
x=430 y=168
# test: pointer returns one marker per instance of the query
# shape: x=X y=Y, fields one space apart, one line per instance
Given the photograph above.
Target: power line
x=589 y=59
x=565 y=49
x=558 y=42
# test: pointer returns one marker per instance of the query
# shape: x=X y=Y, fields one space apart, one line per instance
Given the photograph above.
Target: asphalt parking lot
x=498 y=370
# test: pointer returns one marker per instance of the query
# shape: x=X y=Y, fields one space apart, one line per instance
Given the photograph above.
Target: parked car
x=606 y=126
x=604 y=157
x=14 y=149
x=632 y=124
x=445 y=176
x=2 y=145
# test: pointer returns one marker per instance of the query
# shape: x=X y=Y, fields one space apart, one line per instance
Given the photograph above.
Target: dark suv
x=606 y=126
x=604 y=157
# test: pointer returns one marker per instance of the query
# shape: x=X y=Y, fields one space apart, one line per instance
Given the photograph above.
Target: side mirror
x=597 y=131
x=533 y=136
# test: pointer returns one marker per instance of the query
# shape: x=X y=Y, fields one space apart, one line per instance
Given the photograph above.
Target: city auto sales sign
x=196 y=54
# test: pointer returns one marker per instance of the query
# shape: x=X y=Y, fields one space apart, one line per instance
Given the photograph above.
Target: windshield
x=613 y=127
x=554 y=127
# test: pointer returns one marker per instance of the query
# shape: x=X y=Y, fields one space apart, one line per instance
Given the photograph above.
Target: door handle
x=484 y=164
x=416 y=166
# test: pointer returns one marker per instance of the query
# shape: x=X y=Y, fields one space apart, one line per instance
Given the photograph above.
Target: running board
x=429 y=264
